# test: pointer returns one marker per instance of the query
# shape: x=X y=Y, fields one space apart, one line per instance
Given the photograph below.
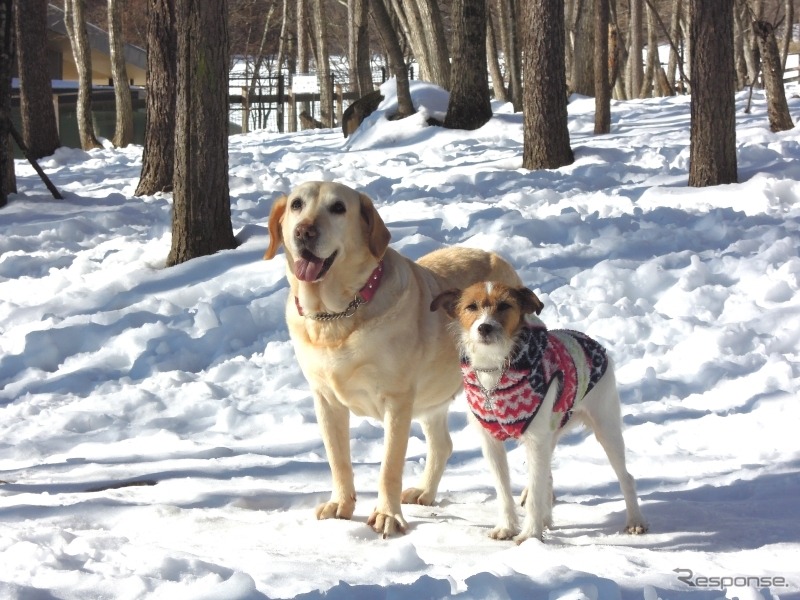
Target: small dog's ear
x=274 y=226
x=528 y=301
x=378 y=235
x=447 y=300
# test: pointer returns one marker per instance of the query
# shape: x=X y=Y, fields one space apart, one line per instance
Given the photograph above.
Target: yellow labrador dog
x=366 y=340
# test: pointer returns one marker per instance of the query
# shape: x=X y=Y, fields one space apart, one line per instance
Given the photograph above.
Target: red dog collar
x=365 y=294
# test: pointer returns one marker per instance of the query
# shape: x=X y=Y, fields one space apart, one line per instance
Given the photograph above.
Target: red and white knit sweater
x=540 y=357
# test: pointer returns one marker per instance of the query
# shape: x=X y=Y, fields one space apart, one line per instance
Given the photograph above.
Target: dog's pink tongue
x=308 y=269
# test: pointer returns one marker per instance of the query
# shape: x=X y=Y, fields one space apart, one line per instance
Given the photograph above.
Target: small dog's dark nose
x=306 y=232
x=485 y=329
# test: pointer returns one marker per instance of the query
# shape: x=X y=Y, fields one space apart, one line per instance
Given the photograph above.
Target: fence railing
x=282 y=109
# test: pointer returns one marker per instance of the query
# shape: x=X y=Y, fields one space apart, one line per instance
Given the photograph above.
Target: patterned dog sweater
x=540 y=357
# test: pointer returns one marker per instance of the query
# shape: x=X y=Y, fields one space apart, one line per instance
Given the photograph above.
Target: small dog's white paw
x=503 y=533
x=524 y=536
x=637 y=528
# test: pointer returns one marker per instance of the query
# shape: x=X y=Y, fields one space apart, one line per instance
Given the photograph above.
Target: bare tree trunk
x=498 y=85
x=322 y=57
x=358 y=47
x=635 y=67
x=748 y=39
x=158 y=156
x=602 y=88
x=509 y=33
x=303 y=37
x=7 y=178
x=201 y=214
x=427 y=38
x=383 y=23
x=303 y=43
x=123 y=130
x=39 y=128
x=408 y=13
x=583 y=77
x=676 y=34
x=75 y=22
x=618 y=55
x=777 y=108
x=571 y=9
x=545 y=128
x=788 y=20
x=650 y=82
x=469 y=106
x=436 y=41
x=255 y=78
x=712 y=152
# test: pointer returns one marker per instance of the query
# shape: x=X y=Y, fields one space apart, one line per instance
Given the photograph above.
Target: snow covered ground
x=157 y=439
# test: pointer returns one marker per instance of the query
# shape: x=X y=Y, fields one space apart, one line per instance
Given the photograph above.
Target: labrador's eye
x=297 y=204
x=338 y=208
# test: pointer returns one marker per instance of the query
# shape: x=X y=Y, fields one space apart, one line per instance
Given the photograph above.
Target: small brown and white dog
x=515 y=369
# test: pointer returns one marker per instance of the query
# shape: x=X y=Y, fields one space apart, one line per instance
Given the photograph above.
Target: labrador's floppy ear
x=447 y=300
x=528 y=301
x=378 y=235
x=274 y=226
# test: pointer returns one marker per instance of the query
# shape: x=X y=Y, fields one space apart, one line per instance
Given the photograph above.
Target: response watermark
x=689 y=577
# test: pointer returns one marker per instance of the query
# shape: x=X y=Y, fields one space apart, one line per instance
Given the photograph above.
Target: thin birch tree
x=75 y=21
x=123 y=129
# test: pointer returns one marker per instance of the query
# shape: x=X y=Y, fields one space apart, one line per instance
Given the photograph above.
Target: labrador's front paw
x=386 y=524
x=336 y=510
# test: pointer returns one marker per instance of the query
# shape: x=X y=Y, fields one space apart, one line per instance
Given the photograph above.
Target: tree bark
x=602 y=86
x=39 y=128
x=303 y=44
x=158 y=156
x=408 y=13
x=201 y=214
x=383 y=23
x=436 y=41
x=545 y=130
x=322 y=56
x=635 y=67
x=7 y=181
x=675 y=34
x=788 y=27
x=470 y=105
x=777 y=108
x=123 y=130
x=750 y=46
x=712 y=151
x=511 y=50
x=358 y=48
x=649 y=81
x=583 y=76
x=75 y=22
x=498 y=85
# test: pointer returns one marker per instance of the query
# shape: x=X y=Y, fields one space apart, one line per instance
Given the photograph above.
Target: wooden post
x=339 y=104
x=292 y=102
x=245 y=110
x=58 y=115
x=279 y=115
